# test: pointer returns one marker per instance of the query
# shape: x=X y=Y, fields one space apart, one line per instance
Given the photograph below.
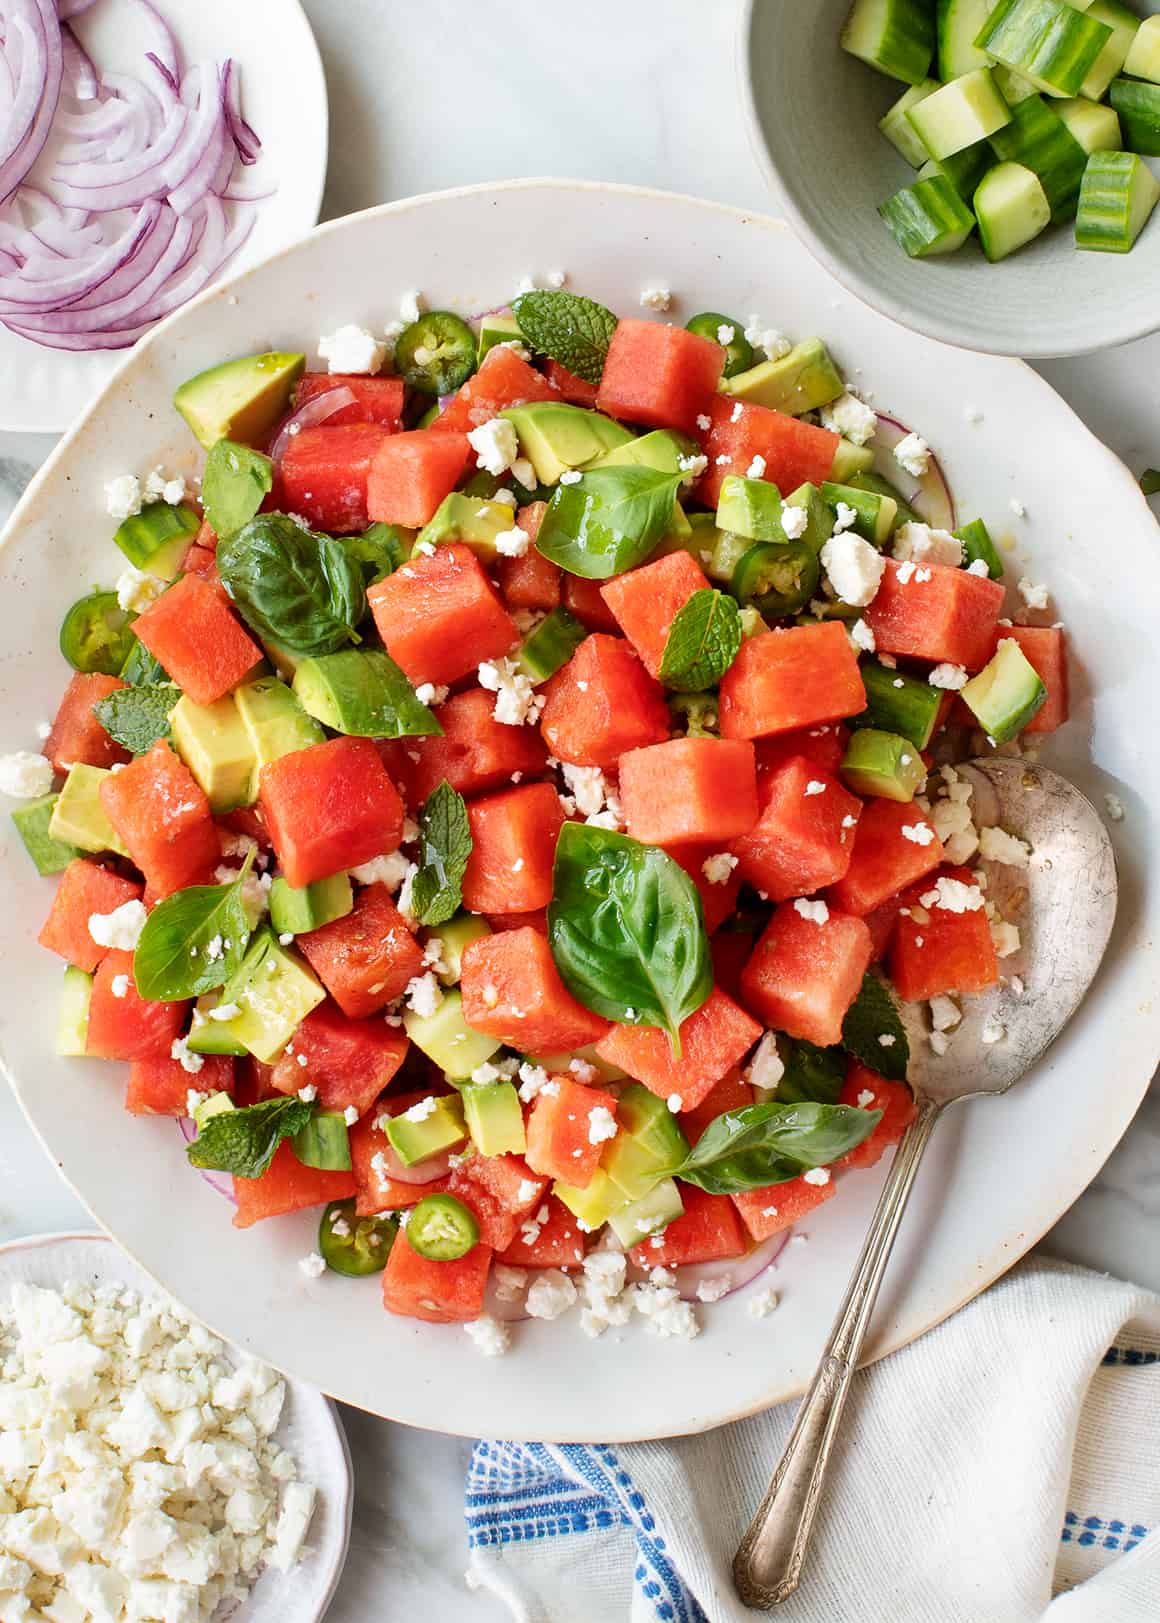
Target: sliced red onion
x=314 y=411
x=736 y=1271
x=79 y=75
x=930 y=495
x=243 y=135
x=32 y=31
x=73 y=8
x=220 y=1182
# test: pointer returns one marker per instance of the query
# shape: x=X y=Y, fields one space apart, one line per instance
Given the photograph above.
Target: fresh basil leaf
x=1150 y=481
x=193 y=941
x=300 y=590
x=812 y=1075
x=378 y=550
x=137 y=717
x=703 y=641
x=608 y=521
x=872 y=1016
x=234 y=485
x=245 y=1141
x=445 y=846
x=766 y=1144
x=569 y=328
x=627 y=931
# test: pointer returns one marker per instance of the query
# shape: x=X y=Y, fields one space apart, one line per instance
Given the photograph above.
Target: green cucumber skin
x=1047 y=41
x=1039 y=139
x=1118 y=196
x=1138 y=105
x=963 y=169
x=910 y=710
x=978 y=546
x=895 y=36
x=928 y=218
x=958 y=24
x=1011 y=208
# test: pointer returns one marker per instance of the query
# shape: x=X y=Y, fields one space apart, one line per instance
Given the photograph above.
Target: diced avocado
x=72 y=1027
x=495 y=330
x=849 y=459
x=455 y=937
x=728 y=551
x=819 y=516
x=294 y=911
x=593 y=1205
x=649 y=1145
x=324 y=1142
x=274 y=991
x=158 y=537
x=550 y=645
x=442 y=1127
x=606 y=1071
x=874 y=482
x=649 y=1215
x=360 y=691
x=882 y=764
x=78 y=818
x=899 y=704
x=210 y=1036
x=750 y=508
x=662 y=450
x=216 y=746
x=470 y=519
x=557 y=438
x=284 y=660
x=1006 y=693
x=875 y=515
x=495 y=1118
x=32 y=824
x=239 y=399
x=446 y=1037
x=275 y=721
x=215 y=1104
x=801 y=381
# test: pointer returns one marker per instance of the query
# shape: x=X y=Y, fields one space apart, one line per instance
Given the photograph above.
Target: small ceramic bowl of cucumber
x=984 y=171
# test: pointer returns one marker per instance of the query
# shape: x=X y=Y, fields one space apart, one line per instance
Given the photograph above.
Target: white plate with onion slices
x=181 y=145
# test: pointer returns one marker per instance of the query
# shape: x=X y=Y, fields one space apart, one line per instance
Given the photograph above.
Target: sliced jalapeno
x=353 y=1245
x=738 y=350
x=436 y=354
x=776 y=577
x=95 y=634
x=442 y=1228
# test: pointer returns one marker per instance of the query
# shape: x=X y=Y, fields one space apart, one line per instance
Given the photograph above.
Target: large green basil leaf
x=234 y=485
x=811 y=1074
x=872 y=1016
x=193 y=941
x=245 y=1141
x=608 y=521
x=772 y=1143
x=300 y=590
x=445 y=835
x=627 y=931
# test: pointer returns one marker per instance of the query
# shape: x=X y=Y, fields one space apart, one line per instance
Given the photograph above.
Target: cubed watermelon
x=759 y=443
x=658 y=375
x=348 y=1061
x=502 y=1191
x=791 y=678
x=824 y=745
x=564 y=1130
x=163 y=820
x=806 y=971
x=689 y=790
x=161 y=1086
x=440 y=617
x=866 y=1090
x=125 y=1026
x=77 y=737
x=532 y=581
x=733 y=1092
x=512 y=989
x=804 y=838
x=366 y=958
x=324 y=475
x=713 y=1041
x=719 y=894
x=576 y=391
x=942 y=941
x=514 y=837
x=886 y=857
x=504 y=379
x=376 y=399
x=646 y=601
x=554 y=1243
x=439 y=1292
x=411 y=473
x=1045 y=648
x=329 y=807
x=195 y=634
x=287 y=1186
x=474 y=753
x=781 y=1205
x=602 y=703
x=937 y=612
x=584 y=600
x=85 y=888
x=709 y=1230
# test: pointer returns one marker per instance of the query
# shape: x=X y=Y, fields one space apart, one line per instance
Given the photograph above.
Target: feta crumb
x=978 y=568
x=136 y=590
x=517 y=703
x=992 y=1032
x=123 y=497
x=1017 y=507
x=768 y=341
x=712 y=1290
x=917 y=833
x=794 y=521
x=756 y=469
x=939 y=1042
x=309 y=1093
x=1114 y=807
x=815 y=912
x=996 y=845
x=180 y=1050
x=972 y=414
x=496 y=445
x=524 y=473
x=313 y=1265
x=853 y=567
x=512 y=543
x=674 y=1104
x=656 y=298
x=1035 y=596
x=926 y=545
x=817 y=1175
x=762 y=1305
x=427 y=693
x=845 y=518
x=422 y=1109
x=1006 y=938
x=411 y=306
x=886 y=1040
x=865 y=1098
x=121 y=929
x=352 y=349
x=863 y=637
x=601 y=1125
x=390 y=871
x=119 y=985
x=913 y=454
x=945 y=1013
x=953 y=896
x=160 y=488
x=491 y=1338
x=851 y=418
x=550 y=1294
x=704 y=422
x=533 y=1080
x=423 y=994
x=765 y=1069
x=571 y=476
x=718 y=869
x=24 y=776
x=952 y=677
x=350 y=1115
x=814 y=787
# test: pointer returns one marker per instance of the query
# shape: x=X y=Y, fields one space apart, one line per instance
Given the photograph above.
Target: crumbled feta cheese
x=664 y=1312
x=533 y=1080
x=119 y=986
x=851 y=418
x=865 y=1098
x=863 y=637
x=817 y=1175
x=913 y=454
x=123 y=497
x=512 y=543
x=423 y=994
x=887 y=1040
x=1017 y=507
x=352 y=349
x=704 y=422
x=601 y=1124
x=978 y=568
x=953 y=896
x=656 y=298
x=24 y=776
x=926 y=545
x=996 y=845
x=313 y=1265
x=588 y=787
x=712 y=1290
x=491 y=1338
x=972 y=414
x=762 y=1305
x=524 y=473
x=814 y=787
x=675 y=1104
x=939 y=1042
x=496 y=445
x=390 y=871
x=550 y=1294
x=845 y=518
x=189 y=1061
x=411 y=306
x=945 y=1013
x=917 y=833
x=756 y=469
x=768 y=341
x=948 y=676
x=794 y=521
x=765 y=1069
x=427 y=693
x=692 y=467
x=993 y=1031
x=718 y=869
x=420 y=1111
x=726 y=334
x=815 y=912
x=309 y=1093
x=853 y=567
x=121 y=929
x=159 y=487
x=1006 y=938
x=1114 y=807
x=517 y=703
x=1035 y=596
x=136 y=590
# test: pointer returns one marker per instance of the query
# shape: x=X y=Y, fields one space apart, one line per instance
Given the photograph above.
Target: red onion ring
x=930 y=496
x=315 y=411
x=37 y=27
x=739 y=1271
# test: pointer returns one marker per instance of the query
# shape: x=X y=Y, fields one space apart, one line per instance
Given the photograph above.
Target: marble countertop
x=644 y=93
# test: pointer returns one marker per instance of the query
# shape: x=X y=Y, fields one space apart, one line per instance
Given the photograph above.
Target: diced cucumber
x=1011 y=208
x=1094 y=126
x=897 y=703
x=875 y=482
x=978 y=546
x=653 y=1212
x=209 y=1036
x=32 y=824
x=1116 y=202
x=1138 y=105
x=1126 y=30
x=967 y=110
x=1047 y=41
x=728 y=551
x=963 y=169
x=1142 y=59
x=324 y=1142
x=1006 y=693
x=445 y=1037
x=882 y=764
x=750 y=508
x=819 y=514
x=894 y=36
x=1040 y=140
x=158 y=537
x=928 y=218
x=1013 y=87
x=803 y=380
x=875 y=513
x=551 y=645
x=297 y=911
x=849 y=459
x=454 y=938
x=898 y=129
x=72 y=1027
x=495 y=330
x=958 y=24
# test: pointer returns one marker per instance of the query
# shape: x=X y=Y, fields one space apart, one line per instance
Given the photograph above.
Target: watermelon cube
x=163 y=820
x=1045 y=648
x=733 y=1092
x=576 y=391
x=554 y=1243
x=329 y=807
x=504 y=379
x=195 y=634
x=533 y=581
x=440 y=617
x=348 y=1061
x=894 y=844
x=661 y=376
x=867 y=1090
x=439 y=1292
x=781 y=1205
x=647 y=600
x=806 y=970
x=474 y=753
x=512 y=990
x=202 y=562
x=366 y=958
x=371 y=1159
x=690 y=790
x=713 y=1040
x=804 y=838
x=602 y=703
x=514 y=837
x=161 y=1086
x=942 y=941
x=85 y=888
x=584 y=600
x=718 y=894
x=287 y=1186
x=788 y=451
x=376 y=399
x=125 y=1026
x=709 y=1230
x=77 y=736
x=324 y=475
x=411 y=473
x=564 y=1130
x=936 y=612
x=791 y=678
x=824 y=745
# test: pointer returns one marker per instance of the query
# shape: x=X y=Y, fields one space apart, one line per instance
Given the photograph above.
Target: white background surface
x=432 y=93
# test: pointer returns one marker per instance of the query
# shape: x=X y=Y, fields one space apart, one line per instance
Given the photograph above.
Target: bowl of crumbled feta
x=147 y=1471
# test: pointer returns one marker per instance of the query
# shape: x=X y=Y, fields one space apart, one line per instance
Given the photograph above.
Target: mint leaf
x=235 y=483
x=608 y=521
x=193 y=941
x=761 y=1145
x=1150 y=481
x=704 y=640
x=812 y=1074
x=137 y=717
x=873 y=1015
x=445 y=846
x=245 y=1141
x=569 y=328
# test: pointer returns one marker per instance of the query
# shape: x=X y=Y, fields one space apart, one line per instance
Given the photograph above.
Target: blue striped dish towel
x=1003 y=1469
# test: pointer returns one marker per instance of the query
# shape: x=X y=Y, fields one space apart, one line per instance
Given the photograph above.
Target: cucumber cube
x=1094 y=126
x=875 y=513
x=551 y=645
x=72 y=1027
x=928 y=218
x=294 y=911
x=963 y=169
x=977 y=545
x=1142 y=60
x=1013 y=87
x=33 y=822
x=1012 y=209
x=324 y=1142
x=495 y=330
x=1006 y=693
x=1126 y=30
x=959 y=22
x=819 y=514
x=882 y=764
x=446 y=1037
x=898 y=129
x=1049 y=42
x=1040 y=140
x=210 y=1036
x=1138 y=105
x=850 y=459
x=750 y=508
x=1115 y=203
x=966 y=111
x=894 y=36
x=897 y=704
x=454 y=938
x=158 y=537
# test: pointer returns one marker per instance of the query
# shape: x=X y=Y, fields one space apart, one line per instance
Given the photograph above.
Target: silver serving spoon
x=1065 y=904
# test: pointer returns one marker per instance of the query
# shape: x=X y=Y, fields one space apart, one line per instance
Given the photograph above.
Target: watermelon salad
x=503 y=807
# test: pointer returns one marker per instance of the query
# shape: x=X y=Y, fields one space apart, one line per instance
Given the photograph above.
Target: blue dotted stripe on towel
x=1108 y=1535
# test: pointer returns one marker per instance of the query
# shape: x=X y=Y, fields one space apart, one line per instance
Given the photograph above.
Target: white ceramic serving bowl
x=813 y=113
x=998 y=1175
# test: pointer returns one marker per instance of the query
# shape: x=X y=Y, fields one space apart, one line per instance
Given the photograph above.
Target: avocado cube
x=239 y=399
x=454 y=938
x=750 y=508
x=801 y=381
x=361 y=692
x=494 y=1117
x=650 y=1214
x=593 y=1205
x=215 y=1104
x=446 y=1038
x=495 y=330
x=78 y=818
x=850 y=459
x=882 y=764
x=208 y=1035
x=72 y=1025
x=471 y=519
x=32 y=824
x=648 y=1146
x=274 y=991
x=215 y=744
x=1006 y=693
x=557 y=438
x=662 y=450
x=275 y=721
x=874 y=515
x=819 y=516
x=294 y=911
x=427 y=1128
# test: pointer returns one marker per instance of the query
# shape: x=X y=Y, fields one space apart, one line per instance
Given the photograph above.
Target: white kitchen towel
x=1003 y=1469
